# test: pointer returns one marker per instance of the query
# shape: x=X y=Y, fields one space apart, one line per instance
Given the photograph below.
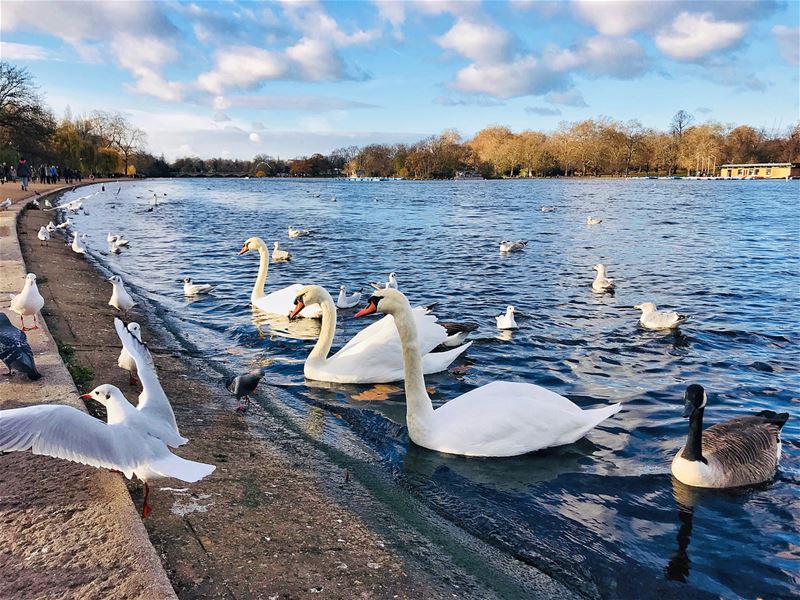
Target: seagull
x=36 y=203
x=345 y=301
x=64 y=225
x=28 y=302
x=15 y=351
x=295 y=233
x=131 y=441
x=120 y=298
x=243 y=386
x=279 y=255
x=509 y=246
x=77 y=244
x=590 y=220
x=600 y=283
x=51 y=227
x=506 y=320
x=47 y=203
x=125 y=360
x=652 y=318
x=43 y=235
x=548 y=209
x=5 y=204
x=196 y=289
x=456 y=332
x=392 y=283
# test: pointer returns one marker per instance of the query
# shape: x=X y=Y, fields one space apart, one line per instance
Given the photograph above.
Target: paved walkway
x=66 y=531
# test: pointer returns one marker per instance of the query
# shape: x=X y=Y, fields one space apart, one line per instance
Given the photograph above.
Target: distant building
x=761 y=171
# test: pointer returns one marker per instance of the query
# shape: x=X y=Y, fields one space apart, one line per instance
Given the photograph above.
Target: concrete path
x=66 y=531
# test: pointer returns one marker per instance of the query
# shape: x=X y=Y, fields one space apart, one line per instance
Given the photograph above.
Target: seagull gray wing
x=65 y=432
x=153 y=401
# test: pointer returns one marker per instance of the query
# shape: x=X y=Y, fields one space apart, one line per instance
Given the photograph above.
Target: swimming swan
x=739 y=451
x=280 y=302
x=498 y=419
x=374 y=355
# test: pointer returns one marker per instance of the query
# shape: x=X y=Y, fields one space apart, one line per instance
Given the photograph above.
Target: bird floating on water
x=498 y=419
x=345 y=301
x=196 y=289
x=506 y=320
x=590 y=220
x=120 y=298
x=390 y=284
x=737 y=452
x=15 y=352
x=601 y=283
x=295 y=232
x=547 y=209
x=509 y=246
x=28 y=302
x=279 y=255
x=652 y=318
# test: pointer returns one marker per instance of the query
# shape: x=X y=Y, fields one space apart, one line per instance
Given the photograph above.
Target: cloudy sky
x=289 y=78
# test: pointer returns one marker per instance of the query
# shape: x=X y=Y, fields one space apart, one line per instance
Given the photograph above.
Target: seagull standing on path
x=652 y=318
x=28 y=302
x=78 y=247
x=15 y=351
x=125 y=360
x=243 y=386
x=120 y=298
x=43 y=235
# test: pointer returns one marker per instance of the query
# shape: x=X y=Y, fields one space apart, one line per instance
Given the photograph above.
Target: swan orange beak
x=243 y=250
x=86 y=397
x=297 y=308
x=368 y=309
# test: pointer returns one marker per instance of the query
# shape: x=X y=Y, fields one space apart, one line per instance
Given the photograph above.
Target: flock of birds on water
x=500 y=419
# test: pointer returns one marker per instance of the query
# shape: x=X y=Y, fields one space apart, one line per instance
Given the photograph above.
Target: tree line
x=105 y=143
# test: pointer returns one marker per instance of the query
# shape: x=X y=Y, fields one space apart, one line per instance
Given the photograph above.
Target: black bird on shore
x=244 y=385
x=15 y=351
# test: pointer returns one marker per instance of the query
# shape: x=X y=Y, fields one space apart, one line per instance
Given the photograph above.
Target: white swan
x=280 y=302
x=498 y=419
x=28 y=302
x=374 y=354
x=279 y=255
x=740 y=451
x=601 y=283
x=652 y=318
x=506 y=320
x=345 y=301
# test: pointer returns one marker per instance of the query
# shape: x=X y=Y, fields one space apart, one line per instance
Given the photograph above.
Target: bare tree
x=120 y=134
x=25 y=122
x=680 y=122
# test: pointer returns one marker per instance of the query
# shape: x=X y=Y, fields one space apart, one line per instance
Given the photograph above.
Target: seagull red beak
x=297 y=308
x=243 y=250
x=86 y=397
x=367 y=310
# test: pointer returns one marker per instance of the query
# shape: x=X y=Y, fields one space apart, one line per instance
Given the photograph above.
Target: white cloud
x=244 y=67
x=310 y=103
x=571 y=97
x=12 y=51
x=481 y=42
x=620 y=17
x=520 y=77
x=255 y=138
x=788 y=39
x=692 y=36
x=542 y=111
x=599 y=55
x=316 y=60
x=310 y=18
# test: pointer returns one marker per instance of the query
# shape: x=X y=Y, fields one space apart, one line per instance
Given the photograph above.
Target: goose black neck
x=694 y=441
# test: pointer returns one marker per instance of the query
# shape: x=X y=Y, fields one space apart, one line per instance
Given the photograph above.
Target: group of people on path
x=45 y=173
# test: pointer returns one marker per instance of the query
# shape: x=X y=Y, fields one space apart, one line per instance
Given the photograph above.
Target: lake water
x=603 y=515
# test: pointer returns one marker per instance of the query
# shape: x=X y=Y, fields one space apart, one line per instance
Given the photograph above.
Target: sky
x=290 y=78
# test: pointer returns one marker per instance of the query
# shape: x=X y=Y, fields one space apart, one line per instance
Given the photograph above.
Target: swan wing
x=508 y=419
x=383 y=335
x=65 y=432
x=281 y=302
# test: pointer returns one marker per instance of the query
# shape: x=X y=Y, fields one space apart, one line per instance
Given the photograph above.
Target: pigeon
x=43 y=235
x=195 y=289
x=120 y=298
x=15 y=351
x=28 y=302
x=243 y=386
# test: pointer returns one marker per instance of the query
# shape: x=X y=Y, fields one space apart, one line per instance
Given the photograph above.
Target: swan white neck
x=328 y=329
x=419 y=409
x=263 y=271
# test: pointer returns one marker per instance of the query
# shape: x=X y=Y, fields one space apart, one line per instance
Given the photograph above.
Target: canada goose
x=737 y=452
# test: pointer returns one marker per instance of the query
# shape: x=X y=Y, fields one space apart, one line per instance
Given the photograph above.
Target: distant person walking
x=42 y=173
x=5 y=173
x=24 y=173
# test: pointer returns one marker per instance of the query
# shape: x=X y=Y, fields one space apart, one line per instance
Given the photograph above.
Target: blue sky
x=290 y=78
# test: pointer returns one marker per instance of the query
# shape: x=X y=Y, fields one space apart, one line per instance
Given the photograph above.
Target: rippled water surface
x=603 y=514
